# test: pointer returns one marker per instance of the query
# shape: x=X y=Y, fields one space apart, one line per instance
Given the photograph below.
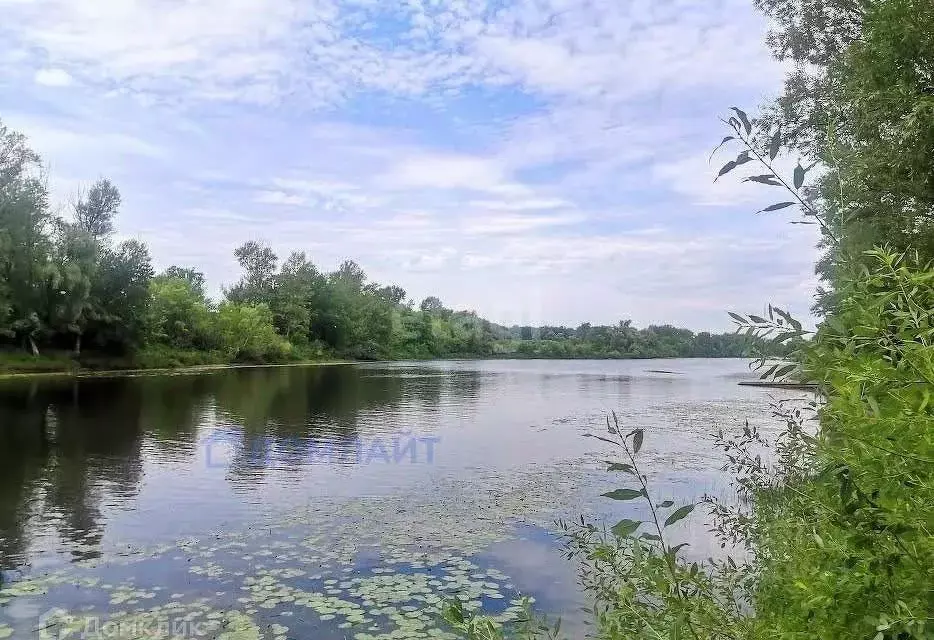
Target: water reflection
x=68 y=446
x=86 y=463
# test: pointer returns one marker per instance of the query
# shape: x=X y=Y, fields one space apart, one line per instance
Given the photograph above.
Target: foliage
x=247 y=333
x=180 y=316
x=162 y=357
x=621 y=341
x=853 y=545
x=861 y=103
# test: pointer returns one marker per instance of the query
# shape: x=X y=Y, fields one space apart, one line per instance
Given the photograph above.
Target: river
x=341 y=501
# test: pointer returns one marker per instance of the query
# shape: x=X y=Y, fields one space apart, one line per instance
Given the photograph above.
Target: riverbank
x=14 y=365
x=22 y=365
x=93 y=373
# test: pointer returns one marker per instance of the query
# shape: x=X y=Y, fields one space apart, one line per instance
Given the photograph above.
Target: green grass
x=21 y=362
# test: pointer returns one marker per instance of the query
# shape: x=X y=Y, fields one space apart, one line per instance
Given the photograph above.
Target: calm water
x=334 y=501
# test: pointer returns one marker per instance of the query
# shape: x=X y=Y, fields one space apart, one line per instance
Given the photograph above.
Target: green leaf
x=744 y=119
x=743 y=158
x=757 y=319
x=729 y=166
x=776 y=207
x=651 y=536
x=776 y=144
x=722 y=142
x=737 y=317
x=624 y=494
x=637 y=440
x=453 y=612
x=799 y=176
x=625 y=528
x=666 y=504
x=768 y=373
x=764 y=179
x=619 y=466
x=784 y=371
x=680 y=514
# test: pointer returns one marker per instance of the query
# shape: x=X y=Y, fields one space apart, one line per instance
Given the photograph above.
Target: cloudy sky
x=539 y=161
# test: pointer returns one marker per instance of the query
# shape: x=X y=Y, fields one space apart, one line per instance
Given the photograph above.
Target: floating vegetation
x=364 y=568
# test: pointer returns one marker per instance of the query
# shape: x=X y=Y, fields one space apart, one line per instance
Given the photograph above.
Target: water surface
x=331 y=501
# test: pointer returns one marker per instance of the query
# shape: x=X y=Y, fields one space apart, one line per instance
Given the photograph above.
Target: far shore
x=207 y=368
x=11 y=373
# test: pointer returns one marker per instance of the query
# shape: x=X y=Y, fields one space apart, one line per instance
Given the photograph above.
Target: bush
x=163 y=357
x=248 y=335
x=850 y=552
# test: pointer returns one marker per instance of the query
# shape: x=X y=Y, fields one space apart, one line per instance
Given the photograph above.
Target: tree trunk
x=33 y=347
x=78 y=345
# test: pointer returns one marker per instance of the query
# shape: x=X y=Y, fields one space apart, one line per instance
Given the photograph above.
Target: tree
x=122 y=295
x=259 y=264
x=393 y=295
x=24 y=242
x=248 y=334
x=178 y=314
x=860 y=103
x=95 y=212
x=351 y=274
x=76 y=266
x=194 y=278
x=431 y=304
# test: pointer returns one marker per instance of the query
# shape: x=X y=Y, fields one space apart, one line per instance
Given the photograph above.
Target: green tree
x=193 y=277
x=431 y=304
x=122 y=294
x=860 y=103
x=259 y=265
x=76 y=266
x=350 y=274
x=95 y=212
x=24 y=241
x=247 y=333
x=179 y=316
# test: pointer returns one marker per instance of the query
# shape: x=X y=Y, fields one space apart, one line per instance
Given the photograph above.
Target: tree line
x=66 y=288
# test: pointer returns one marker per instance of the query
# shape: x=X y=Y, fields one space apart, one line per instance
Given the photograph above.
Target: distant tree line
x=67 y=288
x=623 y=341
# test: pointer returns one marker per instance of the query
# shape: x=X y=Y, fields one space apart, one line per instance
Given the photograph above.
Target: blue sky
x=538 y=161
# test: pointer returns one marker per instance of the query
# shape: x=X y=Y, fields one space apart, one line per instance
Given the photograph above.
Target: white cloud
x=449 y=171
x=318 y=50
x=279 y=197
x=53 y=78
x=510 y=224
x=527 y=204
x=528 y=158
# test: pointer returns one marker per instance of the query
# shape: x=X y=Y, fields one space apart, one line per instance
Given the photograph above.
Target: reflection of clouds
x=22 y=609
x=538 y=568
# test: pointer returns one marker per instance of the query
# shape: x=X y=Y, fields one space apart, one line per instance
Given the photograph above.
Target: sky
x=537 y=161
